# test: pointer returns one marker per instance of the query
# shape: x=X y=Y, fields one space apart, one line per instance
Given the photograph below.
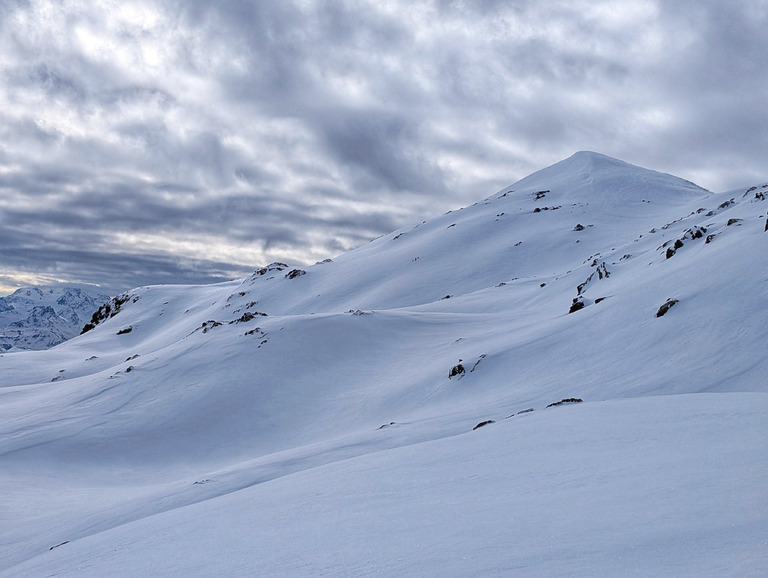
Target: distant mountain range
x=41 y=317
x=566 y=378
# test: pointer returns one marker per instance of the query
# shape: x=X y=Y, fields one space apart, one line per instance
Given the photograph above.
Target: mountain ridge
x=42 y=317
x=388 y=357
x=561 y=206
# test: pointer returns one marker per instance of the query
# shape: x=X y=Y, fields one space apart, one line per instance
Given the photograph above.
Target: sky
x=190 y=141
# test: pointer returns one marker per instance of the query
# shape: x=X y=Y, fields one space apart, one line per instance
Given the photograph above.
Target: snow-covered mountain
x=41 y=317
x=566 y=378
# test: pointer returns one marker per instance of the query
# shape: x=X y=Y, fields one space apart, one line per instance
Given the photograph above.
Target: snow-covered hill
x=41 y=317
x=323 y=420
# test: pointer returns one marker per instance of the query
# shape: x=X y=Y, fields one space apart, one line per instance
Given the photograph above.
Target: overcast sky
x=178 y=141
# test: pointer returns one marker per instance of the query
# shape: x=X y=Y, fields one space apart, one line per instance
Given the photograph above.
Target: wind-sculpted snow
x=323 y=422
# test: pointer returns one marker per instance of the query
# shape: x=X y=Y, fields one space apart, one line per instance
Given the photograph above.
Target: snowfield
x=323 y=420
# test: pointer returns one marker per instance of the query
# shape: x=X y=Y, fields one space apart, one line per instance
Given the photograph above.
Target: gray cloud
x=183 y=141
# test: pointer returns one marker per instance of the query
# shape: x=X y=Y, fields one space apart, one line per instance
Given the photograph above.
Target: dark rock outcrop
x=666 y=307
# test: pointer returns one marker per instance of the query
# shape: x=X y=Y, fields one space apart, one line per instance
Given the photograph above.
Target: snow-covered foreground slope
x=191 y=434
x=655 y=486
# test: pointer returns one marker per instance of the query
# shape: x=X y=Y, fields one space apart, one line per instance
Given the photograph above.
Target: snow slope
x=191 y=434
x=41 y=317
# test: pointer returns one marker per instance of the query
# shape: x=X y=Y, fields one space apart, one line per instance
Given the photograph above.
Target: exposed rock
x=565 y=401
x=666 y=307
x=695 y=232
x=522 y=411
x=108 y=310
x=483 y=423
x=602 y=272
x=295 y=273
x=456 y=370
x=248 y=316
x=271 y=267
x=479 y=359
x=210 y=324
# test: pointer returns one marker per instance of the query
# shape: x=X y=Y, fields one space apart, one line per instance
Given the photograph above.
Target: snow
x=41 y=317
x=596 y=489
x=327 y=438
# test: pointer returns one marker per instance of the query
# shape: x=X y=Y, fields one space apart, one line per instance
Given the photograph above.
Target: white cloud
x=272 y=125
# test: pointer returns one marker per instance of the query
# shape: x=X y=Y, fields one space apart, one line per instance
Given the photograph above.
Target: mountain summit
x=595 y=177
x=565 y=378
x=524 y=231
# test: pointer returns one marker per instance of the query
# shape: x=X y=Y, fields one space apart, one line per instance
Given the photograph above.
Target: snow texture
x=42 y=317
x=317 y=424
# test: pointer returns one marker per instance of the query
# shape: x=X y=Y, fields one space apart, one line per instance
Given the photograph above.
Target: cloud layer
x=191 y=141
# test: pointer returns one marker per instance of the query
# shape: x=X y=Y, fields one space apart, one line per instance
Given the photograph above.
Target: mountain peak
x=41 y=317
x=588 y=175
x=592 y=155
x=594 y=162
x=332 y=402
